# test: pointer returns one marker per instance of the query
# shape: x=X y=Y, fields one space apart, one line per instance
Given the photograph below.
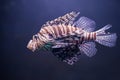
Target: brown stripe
x=72 y=15
x=40 y=34
x=94 y=36
x=42 y=31
x=72 y=29
x=56 y=28
x=49 y=27
x=81 y=39
x=59 y=30
x=55 y=31
x=85 y=36
x=40 y=41
x=67 y=29
x=89 y=36
x=75 y=28
x=46 y=30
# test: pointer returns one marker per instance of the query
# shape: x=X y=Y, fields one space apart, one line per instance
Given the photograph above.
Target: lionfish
x=68 y=38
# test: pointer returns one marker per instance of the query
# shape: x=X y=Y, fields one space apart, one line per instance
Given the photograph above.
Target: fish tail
x=106 y=39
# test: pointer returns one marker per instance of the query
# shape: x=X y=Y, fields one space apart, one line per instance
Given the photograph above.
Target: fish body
x=68 y=39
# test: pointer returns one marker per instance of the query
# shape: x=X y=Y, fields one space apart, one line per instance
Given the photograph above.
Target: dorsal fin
x=66 y=19
x=85 y=23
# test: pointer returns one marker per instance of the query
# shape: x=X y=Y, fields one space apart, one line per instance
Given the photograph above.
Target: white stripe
x=56 y=28
x=48 y=29
x=42 y=38
x=60 y=34
x=61 y=29
x=53 y=33
x=72 y=28
x=43 y=31
x=91 y=35
x=87 y=36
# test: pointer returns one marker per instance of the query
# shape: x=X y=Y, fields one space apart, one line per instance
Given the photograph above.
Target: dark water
x=20 y=19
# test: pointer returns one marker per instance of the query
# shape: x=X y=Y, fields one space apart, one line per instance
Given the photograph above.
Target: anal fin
x=88 y=48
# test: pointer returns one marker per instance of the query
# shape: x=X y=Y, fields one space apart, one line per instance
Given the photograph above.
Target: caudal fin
x=106 y=39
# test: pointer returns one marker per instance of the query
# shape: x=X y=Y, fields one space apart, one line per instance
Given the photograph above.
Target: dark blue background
x=20 y=19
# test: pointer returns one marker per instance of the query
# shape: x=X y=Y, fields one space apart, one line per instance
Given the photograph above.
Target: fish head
x=35 y=43
x=38 y=42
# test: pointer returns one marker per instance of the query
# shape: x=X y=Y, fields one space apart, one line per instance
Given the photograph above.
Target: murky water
x=23 y=18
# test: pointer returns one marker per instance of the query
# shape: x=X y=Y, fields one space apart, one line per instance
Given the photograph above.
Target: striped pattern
x=54 y=31
x=88 y=48
x=62 y=30
x=89 y=36
x=66 y=19
x=58 y=31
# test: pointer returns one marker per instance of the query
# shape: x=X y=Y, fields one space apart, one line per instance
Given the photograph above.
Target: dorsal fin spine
x=66 y=19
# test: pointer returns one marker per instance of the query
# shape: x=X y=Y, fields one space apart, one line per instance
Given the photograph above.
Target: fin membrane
x=102 y=30
x=85 y=23
x=107 y=39
x=66 y=19
x=88 y=48
x=68 y=54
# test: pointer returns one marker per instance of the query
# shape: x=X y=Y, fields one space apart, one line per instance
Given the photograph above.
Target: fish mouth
x=31 y=46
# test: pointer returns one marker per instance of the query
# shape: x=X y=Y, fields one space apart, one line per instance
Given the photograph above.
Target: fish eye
x=50 y=36
x=35 y=37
